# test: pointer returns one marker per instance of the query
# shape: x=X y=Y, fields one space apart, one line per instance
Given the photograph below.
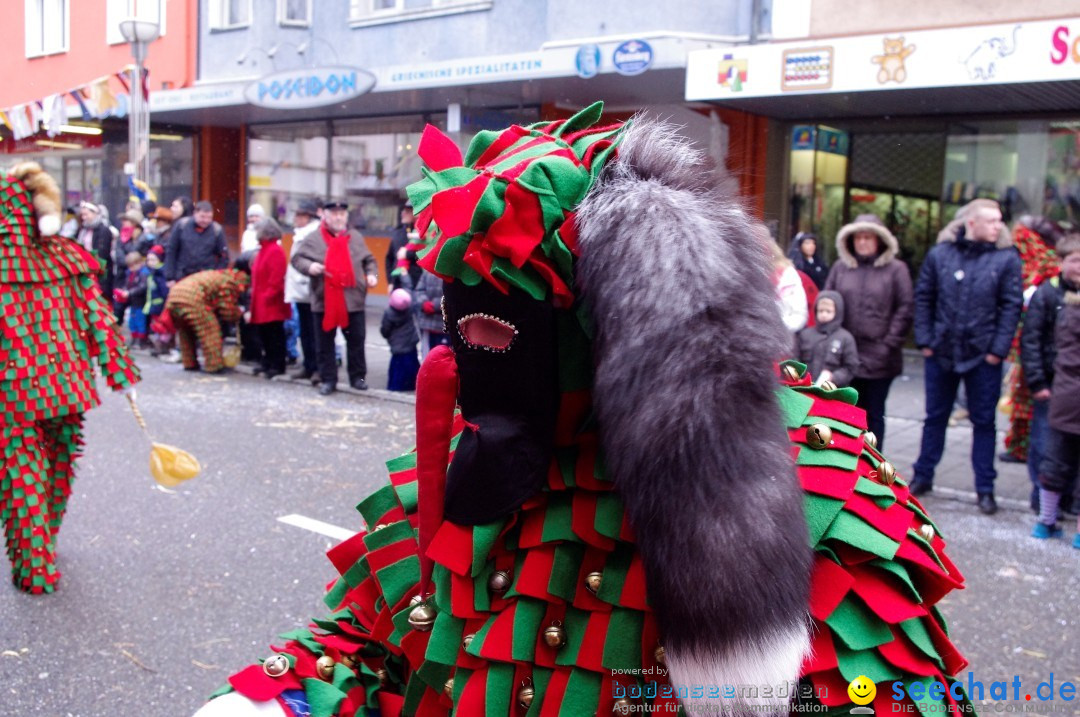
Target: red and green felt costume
x=571 y=563
x=55 y=329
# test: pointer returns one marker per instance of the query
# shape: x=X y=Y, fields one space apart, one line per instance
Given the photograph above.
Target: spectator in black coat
x=967 y=306
x=806 y=255
x=96 y=237
x=399 y=237
x=195 y=244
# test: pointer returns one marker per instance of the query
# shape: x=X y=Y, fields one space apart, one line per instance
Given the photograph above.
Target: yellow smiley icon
x=861 y=690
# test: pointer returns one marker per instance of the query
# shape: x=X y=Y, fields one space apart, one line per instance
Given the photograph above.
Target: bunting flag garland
x=86 y=114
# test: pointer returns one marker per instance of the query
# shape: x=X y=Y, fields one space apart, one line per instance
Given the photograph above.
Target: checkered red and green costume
x=196 y=303
x=55 y=327
x=571 y=560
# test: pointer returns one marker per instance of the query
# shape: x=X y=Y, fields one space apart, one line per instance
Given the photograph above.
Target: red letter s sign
x=1061 y=46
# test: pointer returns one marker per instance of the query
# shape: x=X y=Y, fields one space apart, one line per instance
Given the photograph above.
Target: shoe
x=191 y=368
x=918 y=487
x=1076 y=541
x=360 y=384
x=1006 y=457
x=326 y=389
x=1042 y=531
x=258 y=370
x=270 y=374
x=301 y=374
x=987 y=504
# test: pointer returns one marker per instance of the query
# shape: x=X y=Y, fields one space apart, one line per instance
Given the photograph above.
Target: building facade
x=909 y=111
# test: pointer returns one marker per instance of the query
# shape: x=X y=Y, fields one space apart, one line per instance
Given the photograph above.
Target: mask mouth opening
x=486 y=332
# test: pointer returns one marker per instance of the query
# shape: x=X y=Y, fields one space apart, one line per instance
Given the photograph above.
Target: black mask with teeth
x=506 y=355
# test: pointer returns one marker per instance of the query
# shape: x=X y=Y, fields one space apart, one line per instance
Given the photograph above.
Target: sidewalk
x=954 y=478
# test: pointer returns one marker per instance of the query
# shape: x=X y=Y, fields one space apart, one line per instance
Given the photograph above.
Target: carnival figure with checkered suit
x=55 y=329
x=197 y=305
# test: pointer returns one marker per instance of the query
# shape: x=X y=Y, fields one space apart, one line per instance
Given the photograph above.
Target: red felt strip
x=499 y=642
x=885 y=598
x=414 y=645
x=826 y=481
x=633 y=591
x=583 y=521
x=591 y=654
x=255 y=684
x=954 y=661
x=894 y=521
x=452 y=547
x=574 y=407
x=553 y=695
x=519 y=229
x=902 y=654
x=504 y=141
x=837 y=410
x=436 y=397
x=536 y=572
x=472 y=697
x=346 y=554
x=829 y=583
x=438 y=151
x=463 y=596
x=454 y=207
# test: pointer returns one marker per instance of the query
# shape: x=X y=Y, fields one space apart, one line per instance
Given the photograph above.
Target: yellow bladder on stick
x=170 y=466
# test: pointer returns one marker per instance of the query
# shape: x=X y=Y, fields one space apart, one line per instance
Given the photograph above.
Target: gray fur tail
x=687 y=335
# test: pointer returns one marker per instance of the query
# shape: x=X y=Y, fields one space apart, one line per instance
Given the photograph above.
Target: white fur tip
x=748 y=680
x=49 y=225
x=234 y=704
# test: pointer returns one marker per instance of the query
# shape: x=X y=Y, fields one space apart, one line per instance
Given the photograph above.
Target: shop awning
x=982 y=69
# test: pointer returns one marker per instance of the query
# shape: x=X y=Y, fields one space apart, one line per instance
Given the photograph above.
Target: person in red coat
x=268 y=308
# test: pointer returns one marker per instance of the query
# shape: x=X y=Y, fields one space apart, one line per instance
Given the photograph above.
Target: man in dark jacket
x=195 y=244
x=1038 y=351
x=342 y=269
x=967 y=306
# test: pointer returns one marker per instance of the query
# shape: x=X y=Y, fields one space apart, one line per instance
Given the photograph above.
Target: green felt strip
x=615 y=569
x=582 y=694
x=378 y=504
x=528 y=624
x=401 y=463
x=440 y=577
x=564 y=570
x=829 y=457
x=392 y=533
x=820 y=513
x=609 y=515
x=407 y=495
x=414 y=693
x=882 y=495
x=558 y=519
x=483 y=539
x=857 y=626
x=323 y=698
x=936 y=612
x=853 y=663
x=500 y=689
x=576 y=622
x=566 y=459
x=446 y=636
x=856 y=532
x=846 y=428
x=541 y=676
x=397 y=579
x=622 y=644
x=794 y=405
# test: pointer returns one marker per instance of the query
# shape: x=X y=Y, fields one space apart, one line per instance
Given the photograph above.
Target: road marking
x=317 y=526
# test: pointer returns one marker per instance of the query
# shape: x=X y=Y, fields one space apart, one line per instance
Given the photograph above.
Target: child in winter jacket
x=131 y=295
x=827 y=348
x=399 y=329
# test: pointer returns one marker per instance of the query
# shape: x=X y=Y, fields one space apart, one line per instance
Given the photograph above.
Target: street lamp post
x=139 y=33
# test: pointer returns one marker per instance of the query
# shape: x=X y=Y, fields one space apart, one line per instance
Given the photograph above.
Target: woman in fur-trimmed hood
x=876 y=287
x=602 y=514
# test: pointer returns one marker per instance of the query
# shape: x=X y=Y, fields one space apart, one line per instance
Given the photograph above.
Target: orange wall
x=170 y=58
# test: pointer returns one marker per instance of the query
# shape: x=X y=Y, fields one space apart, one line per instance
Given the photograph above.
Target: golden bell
x=792 y=374
x=818 y=436
x=421 y=618
x=927 y=532
x=170 y=466
x=383 y=675
x=870 y=438
x=350 y=661
x=886 y=472
x=525 y=696
x=325 y=667
x=592 y=582
x=555 y=636
x=827 y=386
x=276 y=665
x=660 y=655
x=448 y=688
x=415 y=600
x=378 y=526
x=467 y=640
x=499 y=582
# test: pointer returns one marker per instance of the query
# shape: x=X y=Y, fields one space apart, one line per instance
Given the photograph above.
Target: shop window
x=365 y=12
x=229 y=14
x=286 y=164
x=46 y=27
x=819 y=165
x=118 y=10
x=296 y=13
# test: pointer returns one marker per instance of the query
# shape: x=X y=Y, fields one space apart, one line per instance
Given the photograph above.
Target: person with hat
x=876 y=289
x=160 y=226
x=341 y=269
x=298 y=287
x=967 y=307
x=399 y=259
x=269 y=311
x=95 y=237
x=248 y=241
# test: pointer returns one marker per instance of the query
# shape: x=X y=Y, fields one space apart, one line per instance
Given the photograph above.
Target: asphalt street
x=165 y=593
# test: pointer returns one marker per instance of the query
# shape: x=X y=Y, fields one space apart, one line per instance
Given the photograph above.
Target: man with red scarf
x=341 y=270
